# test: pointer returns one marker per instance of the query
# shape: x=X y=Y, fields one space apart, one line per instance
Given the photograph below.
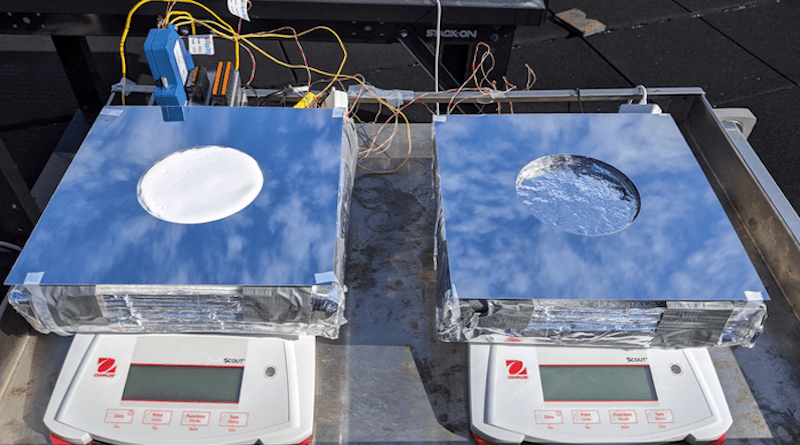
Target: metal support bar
x=413 y=43
x=81 y=71
x=429 y=97
x=18 y=210
x=763 y=215
x=548 y=96
x=621 y=94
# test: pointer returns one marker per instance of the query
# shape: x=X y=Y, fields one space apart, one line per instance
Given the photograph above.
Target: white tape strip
x=753 y=296
x=111 y=111
x=754 y=301
x=325 y=277
x=33 y=278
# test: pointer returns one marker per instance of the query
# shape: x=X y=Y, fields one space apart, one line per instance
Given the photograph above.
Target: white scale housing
x=178 y=389
x=594 y=395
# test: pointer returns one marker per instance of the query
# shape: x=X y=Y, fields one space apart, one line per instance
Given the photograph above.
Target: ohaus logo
x=106 y=367
x=516 y=370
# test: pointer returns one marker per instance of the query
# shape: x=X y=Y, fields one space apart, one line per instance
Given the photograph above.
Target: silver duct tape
x=600 y=323
x=42 y=309
x=55 y=308
x=746 y=324
x=296 y=310
x=21 y=302
x=692 y=323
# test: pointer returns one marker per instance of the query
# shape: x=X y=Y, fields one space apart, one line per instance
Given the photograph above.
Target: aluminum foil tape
x=610 y=323
x=283 y=310
x=296 y=310
x=626 y=324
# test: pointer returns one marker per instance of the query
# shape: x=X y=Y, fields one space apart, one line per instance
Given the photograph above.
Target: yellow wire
x=236 y=37
x=166 y=19
x=292 y=36
x=335 y=77
x=211 y=25
x=128 y=28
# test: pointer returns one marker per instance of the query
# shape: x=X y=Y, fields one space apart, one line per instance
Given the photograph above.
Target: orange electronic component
x=225 y=87
x=197 y=84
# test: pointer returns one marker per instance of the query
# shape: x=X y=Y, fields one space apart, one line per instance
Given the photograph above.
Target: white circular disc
x=200 y=185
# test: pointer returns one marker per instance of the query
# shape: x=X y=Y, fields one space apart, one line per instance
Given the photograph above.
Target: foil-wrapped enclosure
x=585 y=229
x=100 y=261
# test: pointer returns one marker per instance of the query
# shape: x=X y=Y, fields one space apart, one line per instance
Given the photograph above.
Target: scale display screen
x=597 y=383
x=169 y=383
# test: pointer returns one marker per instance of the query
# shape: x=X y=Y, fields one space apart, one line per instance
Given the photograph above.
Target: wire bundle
x=482 y=65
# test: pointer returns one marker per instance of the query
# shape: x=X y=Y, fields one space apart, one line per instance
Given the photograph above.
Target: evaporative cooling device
x=561 y=233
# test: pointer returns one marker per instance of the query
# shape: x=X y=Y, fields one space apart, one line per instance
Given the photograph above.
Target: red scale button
x=623 y=416
x=549 y=417
x=584 y=417
x=233 y=419
x=152 y=417
x=195 y=418
x=660 y=416
x=119 y=416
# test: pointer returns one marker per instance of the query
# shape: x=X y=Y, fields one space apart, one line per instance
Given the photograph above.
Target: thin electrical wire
x=531 y=75
x=162 y=23
x=384 y=146
x=252 y=59
x=373 y=149
x=181 y=13
x=299 y=47
x=210 y=24
x=10 y=246
x=233 y=35
x=170 y=4
x=335 y=76
x=478 y=66
x=475 y=68
x=127 y=29
x=237 y=38
x=396 y=112
x=239 y=25
x=485 y=72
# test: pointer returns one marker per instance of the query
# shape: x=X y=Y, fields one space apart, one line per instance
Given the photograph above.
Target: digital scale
x=594 y=395
x=192 y=326
x=182 y=388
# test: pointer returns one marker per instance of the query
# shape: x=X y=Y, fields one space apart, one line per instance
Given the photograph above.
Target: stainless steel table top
x=680 y=246
x=94 y=231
